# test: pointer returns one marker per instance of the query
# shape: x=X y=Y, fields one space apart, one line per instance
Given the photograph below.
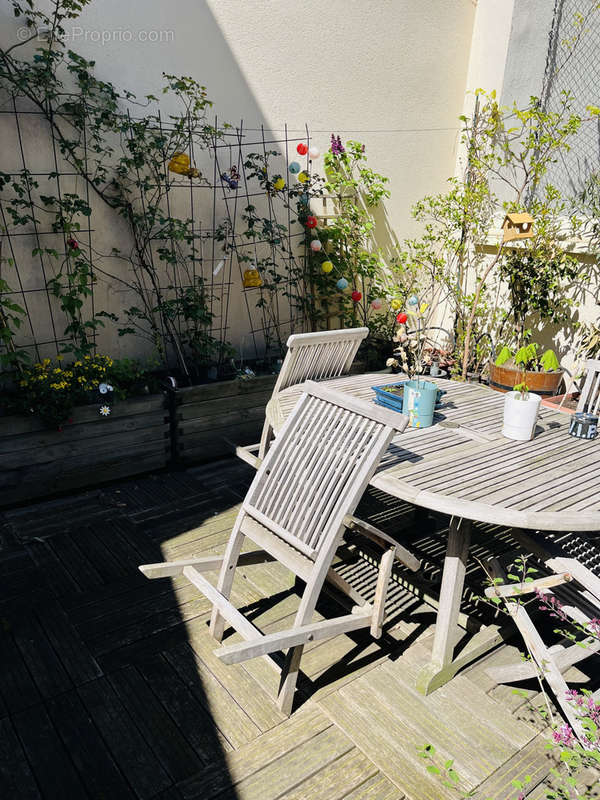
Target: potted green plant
x=521 y=409
x=541 y=373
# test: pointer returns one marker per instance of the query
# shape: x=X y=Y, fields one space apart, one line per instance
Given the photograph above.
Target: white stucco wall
x=390 y=73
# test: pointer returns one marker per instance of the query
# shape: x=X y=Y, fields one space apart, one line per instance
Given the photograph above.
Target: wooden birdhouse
x=517 y=226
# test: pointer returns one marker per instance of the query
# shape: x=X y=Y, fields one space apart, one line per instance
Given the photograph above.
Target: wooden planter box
x=211 y=419
x=504 y=379
x=36 y=461
x=191 y=426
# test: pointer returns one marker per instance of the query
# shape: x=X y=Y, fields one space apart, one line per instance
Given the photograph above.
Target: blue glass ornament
x=294 y=167
x=342 y=284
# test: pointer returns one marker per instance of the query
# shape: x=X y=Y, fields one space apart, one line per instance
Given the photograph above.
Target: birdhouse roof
x=518 y=219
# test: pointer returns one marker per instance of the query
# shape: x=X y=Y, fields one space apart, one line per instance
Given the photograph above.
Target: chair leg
x=289 y=678
x=546 y=663
x=225 y=582
x=265 y=440
x=381 y=590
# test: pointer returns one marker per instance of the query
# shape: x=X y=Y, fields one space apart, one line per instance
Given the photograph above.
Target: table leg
x=443 y=667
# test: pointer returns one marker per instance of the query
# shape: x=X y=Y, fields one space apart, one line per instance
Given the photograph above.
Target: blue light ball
x=342 y=284
x=413 y=300
x=294 y=167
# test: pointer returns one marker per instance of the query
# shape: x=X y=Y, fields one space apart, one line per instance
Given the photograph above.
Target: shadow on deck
x=110 y=688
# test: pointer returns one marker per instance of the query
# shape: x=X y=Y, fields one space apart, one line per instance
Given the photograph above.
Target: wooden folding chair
x=589 y=399
x=576 y=587
x=296 y=510
x=310 y=356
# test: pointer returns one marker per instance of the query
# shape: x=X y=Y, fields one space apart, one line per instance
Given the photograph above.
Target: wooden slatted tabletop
x=463 y=466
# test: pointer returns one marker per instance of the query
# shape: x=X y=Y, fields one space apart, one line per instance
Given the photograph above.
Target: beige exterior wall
x=390 y=73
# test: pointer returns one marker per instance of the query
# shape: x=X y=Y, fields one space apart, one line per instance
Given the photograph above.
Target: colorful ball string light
x=413 y=300
x=314 y=152
x=303 y=177
x=327 y=266
x=401 y=318
x=302 y=149
x=294 y=168
x=376 y=303
x=396 y=304
x=356 y=296
x=342 y=284
x=316 y=245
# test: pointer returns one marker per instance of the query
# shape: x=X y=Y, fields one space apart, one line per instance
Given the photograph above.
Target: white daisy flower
x=104 y=411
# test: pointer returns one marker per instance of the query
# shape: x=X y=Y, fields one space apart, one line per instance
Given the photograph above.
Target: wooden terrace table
x=462 y=466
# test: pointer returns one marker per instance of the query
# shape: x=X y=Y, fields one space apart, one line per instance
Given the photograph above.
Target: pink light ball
x=302 y=149
x=314 y=152
x=315 y=245
x=376 y=303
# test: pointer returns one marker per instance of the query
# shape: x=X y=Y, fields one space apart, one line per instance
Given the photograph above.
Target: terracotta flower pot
x=505 y=378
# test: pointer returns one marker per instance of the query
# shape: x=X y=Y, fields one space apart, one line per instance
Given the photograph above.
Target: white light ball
x=314 y=152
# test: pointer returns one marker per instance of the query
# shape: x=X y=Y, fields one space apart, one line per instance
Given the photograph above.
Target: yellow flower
x=68 y=374
x=23 y=383
x=57 y=371
x=78 y=364
x=46 y=361
x=87 y=358
x=59 y=358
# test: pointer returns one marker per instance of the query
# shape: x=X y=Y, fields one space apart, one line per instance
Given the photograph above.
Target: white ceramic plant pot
x=520 y=415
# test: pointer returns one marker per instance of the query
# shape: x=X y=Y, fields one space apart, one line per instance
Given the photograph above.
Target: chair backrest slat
x=318 y=356
x=317 y=469
x=590 y=394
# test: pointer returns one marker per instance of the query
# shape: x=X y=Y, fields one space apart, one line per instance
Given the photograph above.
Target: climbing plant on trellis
x=174 y=215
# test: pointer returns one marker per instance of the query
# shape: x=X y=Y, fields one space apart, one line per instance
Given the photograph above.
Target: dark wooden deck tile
x=17 y=687
x=51 y=566
x=130 y=750
x=49 y=759
x=40 y=657
x=16 y=779
x=72 y=652
x=173 y=751
x=106 y=563
x=192 y=718
x=118 y=596
x=147 y=626
x=74 y=561
x=87 y=749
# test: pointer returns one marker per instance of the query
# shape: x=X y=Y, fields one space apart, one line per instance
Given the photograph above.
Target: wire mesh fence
x=573 y=66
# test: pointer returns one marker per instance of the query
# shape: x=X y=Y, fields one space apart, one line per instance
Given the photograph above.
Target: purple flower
x=563 y=735
x=337 y=148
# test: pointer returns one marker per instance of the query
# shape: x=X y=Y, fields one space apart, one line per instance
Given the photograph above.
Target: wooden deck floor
x=109 y=687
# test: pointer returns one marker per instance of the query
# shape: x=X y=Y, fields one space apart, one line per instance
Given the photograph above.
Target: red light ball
x=311 y=222
x=356 y=296
x=302 y=149
x=401 y=318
